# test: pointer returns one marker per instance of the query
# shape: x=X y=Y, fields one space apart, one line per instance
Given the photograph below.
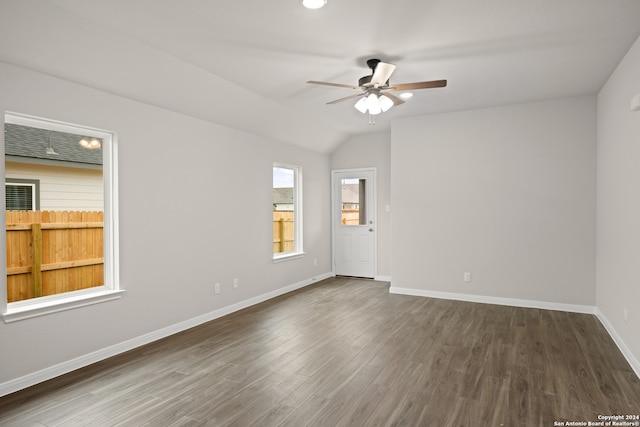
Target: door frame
x=334 y=214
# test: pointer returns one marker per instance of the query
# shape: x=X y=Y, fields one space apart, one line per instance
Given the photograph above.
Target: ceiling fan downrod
x=373 y=63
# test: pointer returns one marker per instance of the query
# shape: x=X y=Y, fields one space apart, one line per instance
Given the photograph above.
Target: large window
x=287 y=211
x=60 y=201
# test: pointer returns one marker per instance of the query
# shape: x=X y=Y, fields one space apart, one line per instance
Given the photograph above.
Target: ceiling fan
x=374 y=89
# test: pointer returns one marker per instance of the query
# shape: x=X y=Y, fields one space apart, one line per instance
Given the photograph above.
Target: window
x=60 y=233
x=22 y=194
x=354 y=203
x=287 y=212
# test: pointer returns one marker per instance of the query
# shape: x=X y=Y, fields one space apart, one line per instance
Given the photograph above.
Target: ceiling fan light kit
x=385 y=102
x=361 y=105
x=314 y=4
x=374 y=104
x=375 y=97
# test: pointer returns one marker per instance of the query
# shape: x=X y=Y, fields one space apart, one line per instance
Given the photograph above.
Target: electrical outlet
x=626 y=315
x=216 y=288
x=235 y=283
x=315 y=261
x=467 y=277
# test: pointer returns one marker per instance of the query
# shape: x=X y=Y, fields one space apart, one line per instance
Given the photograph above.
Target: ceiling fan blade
x=419 y=85
x=382 y=73
x=312 y=82
x=345 y=98
x=395 y=99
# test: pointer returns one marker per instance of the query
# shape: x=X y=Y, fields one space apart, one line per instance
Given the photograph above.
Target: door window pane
x=353 y=199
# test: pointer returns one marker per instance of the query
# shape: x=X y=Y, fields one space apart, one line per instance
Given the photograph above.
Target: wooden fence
x=351 y=216
x=52 y=252
x=283 y=231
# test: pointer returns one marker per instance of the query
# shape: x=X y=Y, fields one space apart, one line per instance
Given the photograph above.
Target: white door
x=354 y=222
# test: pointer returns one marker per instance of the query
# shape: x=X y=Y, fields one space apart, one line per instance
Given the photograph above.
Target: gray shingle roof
x=28 y=142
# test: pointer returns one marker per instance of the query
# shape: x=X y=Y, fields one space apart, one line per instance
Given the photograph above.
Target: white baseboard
x=545 y=305
x=96 y=356
x=383 y=278
x=635 y=364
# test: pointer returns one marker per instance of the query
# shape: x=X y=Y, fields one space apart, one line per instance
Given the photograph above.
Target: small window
x=287 y=211
x=22 y=194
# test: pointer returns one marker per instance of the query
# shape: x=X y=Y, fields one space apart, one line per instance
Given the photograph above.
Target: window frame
x=20 y=310
x=35 y=189
x=298 y=250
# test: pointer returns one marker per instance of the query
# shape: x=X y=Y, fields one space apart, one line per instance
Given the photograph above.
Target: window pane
x=19 y=197
x=58 y=248
x=287 y=212
x=353 y=199
x=283 y=210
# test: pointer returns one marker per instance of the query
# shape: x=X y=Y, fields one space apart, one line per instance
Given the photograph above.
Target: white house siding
x=63 y=188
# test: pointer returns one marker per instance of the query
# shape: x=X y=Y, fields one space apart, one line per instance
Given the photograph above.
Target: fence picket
x=36 y=266
x=283 y=231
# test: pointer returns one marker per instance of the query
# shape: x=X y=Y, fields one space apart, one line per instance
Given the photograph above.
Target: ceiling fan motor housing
x=364 y=80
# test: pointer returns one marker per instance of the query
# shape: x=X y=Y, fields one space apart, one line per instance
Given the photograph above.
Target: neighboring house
x=350 y=196
x=48 y=170
x=283 y=199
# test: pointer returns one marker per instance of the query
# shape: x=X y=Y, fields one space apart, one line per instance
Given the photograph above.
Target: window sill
x=26 y=310
x=288 y=256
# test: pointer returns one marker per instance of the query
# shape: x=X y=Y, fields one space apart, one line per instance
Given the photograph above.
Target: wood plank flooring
x=345 y=352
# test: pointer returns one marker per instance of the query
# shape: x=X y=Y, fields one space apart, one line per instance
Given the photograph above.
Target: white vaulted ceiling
x=244 y=63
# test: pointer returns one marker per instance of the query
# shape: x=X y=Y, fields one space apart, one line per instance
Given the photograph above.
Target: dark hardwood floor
x=347 y=353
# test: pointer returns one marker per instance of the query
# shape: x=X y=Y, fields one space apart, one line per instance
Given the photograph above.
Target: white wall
x=505 y=193
x=372 y=150
x=618 y=284
x=177 y=235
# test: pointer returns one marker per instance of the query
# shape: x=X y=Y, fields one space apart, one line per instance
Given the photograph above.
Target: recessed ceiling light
x=314 y=4
x=406 y=95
